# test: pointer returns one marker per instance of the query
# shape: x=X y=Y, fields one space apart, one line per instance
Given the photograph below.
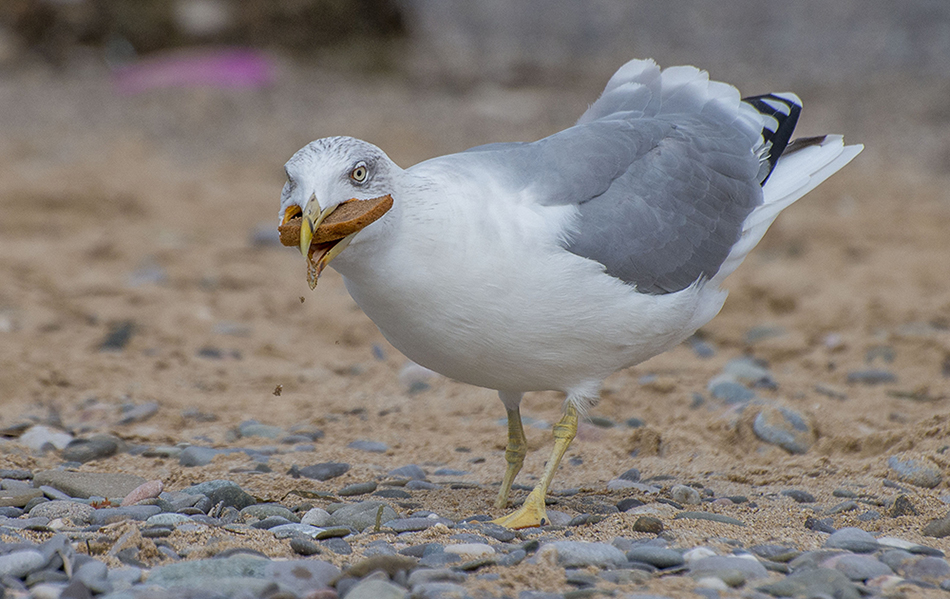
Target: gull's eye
x=359 y=173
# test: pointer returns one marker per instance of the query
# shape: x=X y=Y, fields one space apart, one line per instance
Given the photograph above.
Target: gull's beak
x=318 y=255
x=313 y=216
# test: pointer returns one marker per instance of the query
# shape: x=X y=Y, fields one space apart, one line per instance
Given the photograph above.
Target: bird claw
x=531 y=514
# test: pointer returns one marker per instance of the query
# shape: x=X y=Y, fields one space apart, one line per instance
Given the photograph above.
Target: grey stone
x=18 y=564
x=412 y=472
x=799 y=496
x=915 y=470
x=937 y=528
x=816 y=582
x=357 y=489
x=852 y=539
x=439 y=590
x=730 y=391
x=196 y=455
x=285 y=531
x=89 y=484
x=184 y=573
x=167 y=519
x=750 y=371
x=109 y=515
x=360 y=516
x=94 y=574
x=648 y=524
x=423 y=575
x=337 y=546
x=929 y=569
x=302 y=546
x=316 y=517
x=265 y=510
x=322 y=471
x=708 y=516
x=421 y=485
x=775 y=553
x=840 y=508
x=93 y=448
x=723 y=567
x=785 y=428
x=256 y=429
x=633 y=475
x=871 y=376
x=208 y=487
x=579 y=554
x=685 y=495
x=302 y=576
x=76 y=512
x=370 y=446
x=231 y=496
x=139 y=413
x=438 y=560
x=19 y=497
x=410 y=524
x=861 y=567
x=660 y=557
x=376 y=589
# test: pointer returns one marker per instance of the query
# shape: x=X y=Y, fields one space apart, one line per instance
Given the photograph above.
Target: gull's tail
x=801 y=167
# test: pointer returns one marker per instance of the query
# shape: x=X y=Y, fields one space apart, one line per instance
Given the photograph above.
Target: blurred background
x=876 y=70
x=142 y=145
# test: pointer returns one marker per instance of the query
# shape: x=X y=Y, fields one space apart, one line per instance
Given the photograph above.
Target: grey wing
x=664 y=169
x=672 y=216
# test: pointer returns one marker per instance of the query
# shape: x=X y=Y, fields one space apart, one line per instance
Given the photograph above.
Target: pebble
x=401 y=525
x=411 y=472
x=19 y=497
x=316 y=517
x=470 y=551
x=196 y=455
x=784 y=427
x=733 y=570
x=902 y=507
x=817 y=582
x=730 y=391
x=648 y=524
x=18 y=564
x=872 y=376
x=799 y=496
x=93 y=448
x=360 y=516
x=323 y=471
x=578 y=554
x=147 y=490
x=89 y=484
x=40 y=439
x=859 y=567
x=376 y=589
x=660 y=557
x=929 y=569
x=751 y=371
x=139 y=413
x=852 y=539
x=708 y=516
x=938 y=528
x=915 y=470
x=685 y=495
x=74 y=511
x=370 y=446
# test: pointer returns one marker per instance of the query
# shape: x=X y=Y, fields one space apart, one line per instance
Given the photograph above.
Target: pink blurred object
x=222 y=68
x=149 y=490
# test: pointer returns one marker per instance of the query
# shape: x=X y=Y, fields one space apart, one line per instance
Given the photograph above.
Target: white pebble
x=698 y=553
x=316 y=517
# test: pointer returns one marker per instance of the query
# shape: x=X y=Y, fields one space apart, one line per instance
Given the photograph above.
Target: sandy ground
x=144 y=209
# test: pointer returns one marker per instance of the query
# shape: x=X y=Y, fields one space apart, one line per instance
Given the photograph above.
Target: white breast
x=482 y=292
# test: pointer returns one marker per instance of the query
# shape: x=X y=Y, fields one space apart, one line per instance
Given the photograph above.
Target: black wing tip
x=785 y=109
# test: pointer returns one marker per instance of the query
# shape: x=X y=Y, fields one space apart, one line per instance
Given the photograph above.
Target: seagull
x=552 y=264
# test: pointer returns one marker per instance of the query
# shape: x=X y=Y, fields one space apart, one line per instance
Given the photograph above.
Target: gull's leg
x=514 y=454
x=532 y=513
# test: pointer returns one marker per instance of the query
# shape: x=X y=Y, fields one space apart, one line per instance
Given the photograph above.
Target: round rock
x=785 y=428
x=580 y=554
x=78 y=513
x=853 y=539
x=915 y=470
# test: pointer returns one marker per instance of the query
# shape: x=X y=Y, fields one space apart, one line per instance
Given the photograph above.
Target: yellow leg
x=514 y=455
x=533 y=513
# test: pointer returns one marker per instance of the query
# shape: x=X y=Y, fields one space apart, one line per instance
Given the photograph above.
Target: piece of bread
x=349 y=217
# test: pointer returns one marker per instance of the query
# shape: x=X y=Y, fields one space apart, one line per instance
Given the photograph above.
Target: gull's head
x=323 y=175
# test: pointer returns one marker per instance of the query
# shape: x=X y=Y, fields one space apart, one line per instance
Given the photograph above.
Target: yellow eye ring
x=359 y=173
